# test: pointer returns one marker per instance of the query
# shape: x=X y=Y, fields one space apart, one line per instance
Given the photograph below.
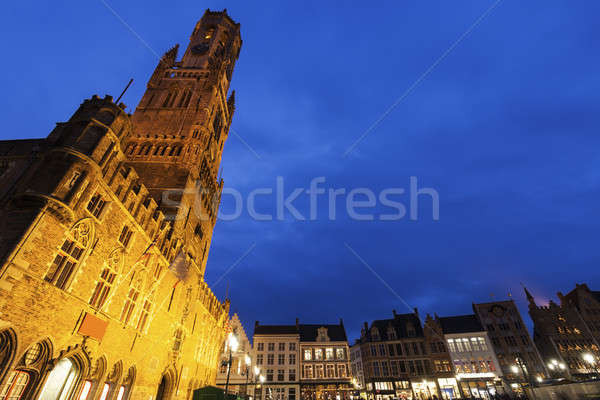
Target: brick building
x=106 y=227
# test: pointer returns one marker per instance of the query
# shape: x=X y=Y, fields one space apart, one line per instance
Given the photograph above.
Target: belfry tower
x=181 y=124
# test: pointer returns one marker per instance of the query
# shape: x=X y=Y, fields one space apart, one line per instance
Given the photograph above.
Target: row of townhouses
x=407 y=356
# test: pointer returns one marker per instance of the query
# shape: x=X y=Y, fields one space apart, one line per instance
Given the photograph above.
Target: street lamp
x=591 y=361
x=248 y=361
x=554 y=365
x=232 y=344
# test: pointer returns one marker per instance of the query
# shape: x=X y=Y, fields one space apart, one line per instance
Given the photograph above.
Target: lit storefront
x=449 y=388
x=424 y=389
x=480 y=385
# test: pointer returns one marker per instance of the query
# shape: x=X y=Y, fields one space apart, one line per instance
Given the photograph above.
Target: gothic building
x=106 y=225
x=567 y=333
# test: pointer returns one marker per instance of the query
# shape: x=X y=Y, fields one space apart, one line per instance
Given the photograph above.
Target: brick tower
x=181 y=124
x=95 y=301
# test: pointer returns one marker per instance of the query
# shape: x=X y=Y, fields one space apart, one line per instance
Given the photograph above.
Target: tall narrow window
x=96 y=205
x=14 y=386
x=106 y=279
x=125 y=236
x=69 y=255
x=131 y=301
x=144 y=313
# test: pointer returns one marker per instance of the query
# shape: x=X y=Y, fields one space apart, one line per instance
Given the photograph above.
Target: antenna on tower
x=227 y=291
x=124 y=90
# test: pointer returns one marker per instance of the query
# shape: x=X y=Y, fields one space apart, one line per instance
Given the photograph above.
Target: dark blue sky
x=505 y=128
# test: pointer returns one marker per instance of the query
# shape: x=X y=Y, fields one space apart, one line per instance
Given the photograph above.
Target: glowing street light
x=232 y=344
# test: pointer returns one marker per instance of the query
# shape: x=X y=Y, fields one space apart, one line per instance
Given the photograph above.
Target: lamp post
x=248 y=361
x=559 y=367
x=262 y=381
x=256 y=374
x=232 y=344
x=591 y=361
x=526 y=376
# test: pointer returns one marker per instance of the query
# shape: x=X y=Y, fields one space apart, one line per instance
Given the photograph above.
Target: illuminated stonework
x=89 y=308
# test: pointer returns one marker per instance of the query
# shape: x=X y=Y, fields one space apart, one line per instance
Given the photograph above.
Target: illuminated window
x=105 y=390
x=121 y=392
x=14 y=386
x=329 y=353
x=339 y=353
x=308 y=354
x=318 y=354
x=60 y=381
x=85 y=390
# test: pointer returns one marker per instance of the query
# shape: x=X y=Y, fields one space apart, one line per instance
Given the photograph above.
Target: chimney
x=394 y=312
x=297 y=322
x=341 y=322
x=255 y=324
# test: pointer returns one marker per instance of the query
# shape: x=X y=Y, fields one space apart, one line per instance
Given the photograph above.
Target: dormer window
x=391 y=334
x=322 y=335
x=374 y=333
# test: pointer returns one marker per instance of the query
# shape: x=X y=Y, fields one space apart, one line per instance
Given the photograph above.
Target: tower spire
x=529 y=296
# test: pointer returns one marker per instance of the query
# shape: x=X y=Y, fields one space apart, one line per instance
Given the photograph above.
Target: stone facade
x=510 y=340
x=104 y=240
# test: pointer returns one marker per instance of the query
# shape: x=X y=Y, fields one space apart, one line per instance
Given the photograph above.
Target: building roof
x=400 y=323
x=309 y=333
x=276 y=330
x=20 y=147
x=460 y=324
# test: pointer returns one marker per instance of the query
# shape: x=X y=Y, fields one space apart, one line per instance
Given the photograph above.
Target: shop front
x=424 y=389
x=449 y=388
x=481 y=388
x=326 y=391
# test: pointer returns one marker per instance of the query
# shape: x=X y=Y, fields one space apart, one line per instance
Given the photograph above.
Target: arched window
x=107 y=278
x=70 y=254
x=60 y=382
x=15 y=385
x=167 y=100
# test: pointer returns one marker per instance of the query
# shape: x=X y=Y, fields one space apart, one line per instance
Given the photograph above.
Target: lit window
x=105 y=282
x=14 y=386
x=60 y=381
x=308 y=354
x=125 y=236
x=329 y=353
x=105 y=390
x=318 y=354
x=121 y=393
x=145 y=312
x=85 y=390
